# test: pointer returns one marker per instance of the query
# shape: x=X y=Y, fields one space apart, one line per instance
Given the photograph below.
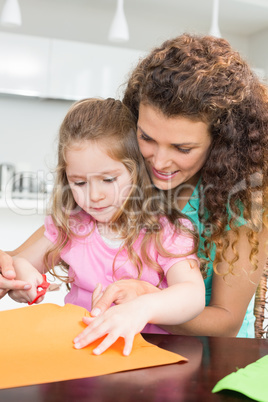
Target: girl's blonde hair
x=111 y=123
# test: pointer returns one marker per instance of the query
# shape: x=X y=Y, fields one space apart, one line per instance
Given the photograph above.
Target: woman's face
x=174 y=148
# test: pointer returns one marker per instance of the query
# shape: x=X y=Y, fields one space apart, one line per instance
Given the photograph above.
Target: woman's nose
x=161 y=159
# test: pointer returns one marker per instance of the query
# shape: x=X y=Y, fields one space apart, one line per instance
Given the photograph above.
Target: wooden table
x=210 y=359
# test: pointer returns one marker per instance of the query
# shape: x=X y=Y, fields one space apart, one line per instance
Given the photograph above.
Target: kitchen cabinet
x=23 y=67
x=59 y=69
x=79 y=70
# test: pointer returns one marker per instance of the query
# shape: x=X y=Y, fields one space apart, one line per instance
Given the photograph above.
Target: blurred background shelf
x=25 y=206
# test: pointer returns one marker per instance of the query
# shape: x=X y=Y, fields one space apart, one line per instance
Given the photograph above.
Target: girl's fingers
x=109 y=340
x=3 y=292
x=88 y=336
x=6 y=264
x=41 y=298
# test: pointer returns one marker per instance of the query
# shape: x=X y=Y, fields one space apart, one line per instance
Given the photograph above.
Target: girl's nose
x=161 y=159
x=96 y=193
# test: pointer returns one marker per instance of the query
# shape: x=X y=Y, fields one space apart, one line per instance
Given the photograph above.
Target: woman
x=202 y=127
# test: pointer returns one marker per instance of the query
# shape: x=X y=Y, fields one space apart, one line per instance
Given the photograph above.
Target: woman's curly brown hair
x=203 y=78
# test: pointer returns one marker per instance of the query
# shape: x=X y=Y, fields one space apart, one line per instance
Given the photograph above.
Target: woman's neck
x=186 y=190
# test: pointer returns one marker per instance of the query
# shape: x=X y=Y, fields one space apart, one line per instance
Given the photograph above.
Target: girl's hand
x=8 y=276
x=125 y=320
x=26 y=271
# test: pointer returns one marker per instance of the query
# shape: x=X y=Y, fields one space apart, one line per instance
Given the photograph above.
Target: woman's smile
x=164 y=175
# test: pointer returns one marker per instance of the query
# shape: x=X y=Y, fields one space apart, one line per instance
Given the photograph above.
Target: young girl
x=108 y=223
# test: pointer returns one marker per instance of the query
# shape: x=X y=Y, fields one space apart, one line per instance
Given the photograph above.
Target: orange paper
x=36 y=346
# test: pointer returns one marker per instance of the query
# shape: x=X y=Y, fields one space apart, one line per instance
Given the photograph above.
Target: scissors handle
x=41 y=289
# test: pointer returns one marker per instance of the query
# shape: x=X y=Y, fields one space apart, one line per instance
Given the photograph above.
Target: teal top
x=191 y=210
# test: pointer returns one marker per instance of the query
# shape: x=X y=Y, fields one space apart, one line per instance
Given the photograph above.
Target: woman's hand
x=119 y=292
x=26 y=271
x=116 y=322
x=8 y=275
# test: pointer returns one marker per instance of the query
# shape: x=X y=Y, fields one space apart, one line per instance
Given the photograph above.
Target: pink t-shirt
x=90 y=259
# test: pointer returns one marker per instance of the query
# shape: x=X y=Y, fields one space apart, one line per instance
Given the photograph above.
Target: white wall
x=28 y=130
x=258 y=50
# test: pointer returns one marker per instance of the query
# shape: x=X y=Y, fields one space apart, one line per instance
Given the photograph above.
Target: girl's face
x=99 y=183
x=174 y=148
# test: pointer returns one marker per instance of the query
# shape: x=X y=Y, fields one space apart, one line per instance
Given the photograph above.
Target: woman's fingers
x=120 y=292
x=13 y=284
x=104 y=300
x=128 y=345
x=96 y=295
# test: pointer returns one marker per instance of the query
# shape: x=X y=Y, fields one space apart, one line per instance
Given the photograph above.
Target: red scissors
x=41 y=289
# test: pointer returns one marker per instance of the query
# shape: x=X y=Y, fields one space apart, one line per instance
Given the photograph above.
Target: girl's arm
x=230 y=297
x=29 y=266
x=181 y=301
x=8 y=275
x=8 y=280
x=38 y=234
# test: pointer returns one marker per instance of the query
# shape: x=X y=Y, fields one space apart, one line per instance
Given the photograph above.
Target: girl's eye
x=109 y=179
x=80 y=183
x=183 y=150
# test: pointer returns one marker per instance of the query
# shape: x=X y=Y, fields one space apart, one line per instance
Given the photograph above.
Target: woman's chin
x=164 y=185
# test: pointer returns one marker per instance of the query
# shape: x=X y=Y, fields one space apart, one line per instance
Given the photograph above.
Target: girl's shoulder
x=179 y=238
x=51 y=231
x=80 y=224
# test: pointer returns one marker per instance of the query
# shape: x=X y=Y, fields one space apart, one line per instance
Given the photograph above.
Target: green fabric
x=191 y=210
x=251 y=381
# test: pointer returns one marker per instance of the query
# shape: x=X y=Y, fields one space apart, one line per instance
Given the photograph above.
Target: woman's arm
x=181 y=301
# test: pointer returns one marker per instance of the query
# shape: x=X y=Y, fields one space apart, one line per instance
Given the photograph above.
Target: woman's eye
x=109 y=179
x=80 y=183
x=145 y=138
x=184 y=150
